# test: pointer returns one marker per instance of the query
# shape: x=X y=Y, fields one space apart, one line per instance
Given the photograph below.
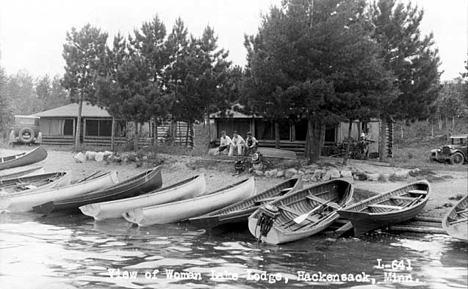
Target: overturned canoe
x=140 y=184
x=21 y=172
x=27 y=200
x=300 y=214
x=389 y=208
x=36 y=155
x=185 y=189
x=183 y=210
x=240 y=211
x=455 y=222
x=36 y=183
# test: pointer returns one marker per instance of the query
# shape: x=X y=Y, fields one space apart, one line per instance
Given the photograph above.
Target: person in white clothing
x=224 y=142
x=238 y=143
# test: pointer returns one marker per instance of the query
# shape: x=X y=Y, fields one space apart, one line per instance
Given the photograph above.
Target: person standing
x=251 y=144
x=224 y=142
x=237 y=143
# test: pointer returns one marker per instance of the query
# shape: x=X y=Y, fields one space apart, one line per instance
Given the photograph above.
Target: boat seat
x=385 y=206
x=402 y=198
x=265 y=200
x=419 y=192
x=322 y=201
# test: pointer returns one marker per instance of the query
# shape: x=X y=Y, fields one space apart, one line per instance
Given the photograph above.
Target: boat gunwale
x=217 y=213
x=386 y=196
x=132 y=183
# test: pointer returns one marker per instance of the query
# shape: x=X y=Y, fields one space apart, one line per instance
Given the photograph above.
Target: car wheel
x=22 y=132
x=457 y=159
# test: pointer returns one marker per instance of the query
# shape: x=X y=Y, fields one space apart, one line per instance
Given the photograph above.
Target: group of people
x=237 y=143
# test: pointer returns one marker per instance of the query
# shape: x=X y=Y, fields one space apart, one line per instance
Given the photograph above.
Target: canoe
x=19 y=172
x=36 y=155
x=276 y=222
x=240 y=211
x=140 y=184
x=389 y=208
x=185 y=189
x=21 y=202
x=36 y=183
x=183 y=210
x=455 y=222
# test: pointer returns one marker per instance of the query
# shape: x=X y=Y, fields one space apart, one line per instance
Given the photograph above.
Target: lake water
x=77 y=252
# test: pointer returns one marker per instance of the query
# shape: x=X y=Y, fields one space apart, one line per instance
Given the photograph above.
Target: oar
x=459 y=221
x=412 y=202
x=303 y=217
x=462 y=211
x=88 y=177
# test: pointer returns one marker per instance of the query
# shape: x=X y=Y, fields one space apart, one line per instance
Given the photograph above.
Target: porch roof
x=71 y=110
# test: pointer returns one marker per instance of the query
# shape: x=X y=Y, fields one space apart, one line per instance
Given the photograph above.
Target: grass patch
x=395 y=178
x=382 y=178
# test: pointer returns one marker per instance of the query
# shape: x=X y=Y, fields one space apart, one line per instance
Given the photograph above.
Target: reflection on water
x=75 y=252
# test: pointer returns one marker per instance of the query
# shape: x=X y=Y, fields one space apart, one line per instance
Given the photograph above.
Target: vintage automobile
x=455 y=153
x=26 y=130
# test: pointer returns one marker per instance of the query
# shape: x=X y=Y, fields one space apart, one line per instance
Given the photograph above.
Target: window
x=264 y=130
x=301 y=129
x=242 y=126
x=68 y=127
x=98 y=127
x=330 y=135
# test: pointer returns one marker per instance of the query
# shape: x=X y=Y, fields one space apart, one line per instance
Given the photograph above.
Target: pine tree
x=409 y=55
x=84 y=54
x=315 y=61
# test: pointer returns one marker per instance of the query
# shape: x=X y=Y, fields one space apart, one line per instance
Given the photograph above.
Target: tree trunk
x=155 y=135
x=382 y=139
x=78 y=125
x=348 y=145
x=113 y=134
x=453 y=123
x=316 y=132
x=135 y=137
x=447 y=131
x=277 y=135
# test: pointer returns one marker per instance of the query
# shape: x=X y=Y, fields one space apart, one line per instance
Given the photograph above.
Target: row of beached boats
x=281 y=214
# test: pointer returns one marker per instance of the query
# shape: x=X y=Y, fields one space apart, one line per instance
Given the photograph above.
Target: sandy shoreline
x=177 y=168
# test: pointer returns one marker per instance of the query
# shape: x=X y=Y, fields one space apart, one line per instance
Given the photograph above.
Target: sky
x=32 y=33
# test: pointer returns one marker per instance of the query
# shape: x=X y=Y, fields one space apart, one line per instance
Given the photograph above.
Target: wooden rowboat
x=183 y=210
x=140 y=184
x=240 y=211
x=389 y=208
x=316 y=206
x=21 y=172
x=36 y=155
x=185 y=189
x=455 y=222
x=36 y=183
x=27 y=200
